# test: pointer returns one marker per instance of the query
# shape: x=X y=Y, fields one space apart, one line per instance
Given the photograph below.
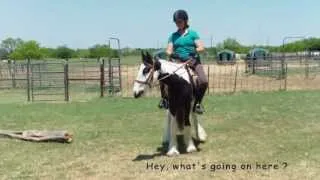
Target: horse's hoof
x=200 y=139
x=202 y=136
x=173 y=152
x=191 y=148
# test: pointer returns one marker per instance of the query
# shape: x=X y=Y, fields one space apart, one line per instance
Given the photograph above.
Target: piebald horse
x=180 y=96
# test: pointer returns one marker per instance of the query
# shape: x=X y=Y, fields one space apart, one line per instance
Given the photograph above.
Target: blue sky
x=148 y=23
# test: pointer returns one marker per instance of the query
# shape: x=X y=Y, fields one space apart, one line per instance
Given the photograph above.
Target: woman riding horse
x=184 y=45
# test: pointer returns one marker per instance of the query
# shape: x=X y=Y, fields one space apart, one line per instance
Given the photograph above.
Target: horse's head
x=158 y=69
x=146 y=74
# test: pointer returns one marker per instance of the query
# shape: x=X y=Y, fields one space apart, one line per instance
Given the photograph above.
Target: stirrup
x=163 y=104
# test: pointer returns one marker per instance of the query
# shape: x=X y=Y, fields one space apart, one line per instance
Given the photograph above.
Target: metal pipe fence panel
x=47 y=81
x=78 y=80
x=84 y=79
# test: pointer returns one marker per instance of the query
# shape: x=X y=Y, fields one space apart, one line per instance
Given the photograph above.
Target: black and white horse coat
x=180 y=96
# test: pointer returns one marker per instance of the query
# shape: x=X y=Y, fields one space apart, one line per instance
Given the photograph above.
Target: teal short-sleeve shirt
x=184 y=44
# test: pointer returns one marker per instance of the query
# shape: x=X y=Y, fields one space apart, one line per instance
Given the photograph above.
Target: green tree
x=212 y=51
x=98 y=51
x=10 y=44
x=313 y=44
x=219 y=47
x=63 y=52
x=48 y=52
x=28 y=49
x=301 y=45
x=232 y=44
x=4 y=54
x=82 y=53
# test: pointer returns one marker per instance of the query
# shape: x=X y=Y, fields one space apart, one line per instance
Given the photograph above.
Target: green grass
x=110 y=133
x=13 y=96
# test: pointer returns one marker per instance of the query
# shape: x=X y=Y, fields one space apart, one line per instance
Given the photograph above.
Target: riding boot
x=199 y=94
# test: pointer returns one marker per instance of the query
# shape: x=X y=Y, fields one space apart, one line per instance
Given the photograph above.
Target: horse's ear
x=148 y=55
x=143 y=56
x=149 y=58
x=157 y=65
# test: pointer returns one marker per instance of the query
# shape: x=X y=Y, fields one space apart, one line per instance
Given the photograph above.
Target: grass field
x=116 y=138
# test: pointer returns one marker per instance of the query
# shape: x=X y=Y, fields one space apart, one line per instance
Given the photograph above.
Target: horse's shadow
x=161 y=151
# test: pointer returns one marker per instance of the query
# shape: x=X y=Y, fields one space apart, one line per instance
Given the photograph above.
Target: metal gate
x=312 y=68
x=113 y=69
x=49 y=82
x=113 y=76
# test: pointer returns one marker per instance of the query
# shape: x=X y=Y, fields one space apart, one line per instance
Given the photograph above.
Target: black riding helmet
x=180 y=15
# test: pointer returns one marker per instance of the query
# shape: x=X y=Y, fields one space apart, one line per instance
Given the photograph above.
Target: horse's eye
x=145 y=70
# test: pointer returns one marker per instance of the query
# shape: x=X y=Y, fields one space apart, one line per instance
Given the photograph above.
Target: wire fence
x=82 y=80
x=232 y=78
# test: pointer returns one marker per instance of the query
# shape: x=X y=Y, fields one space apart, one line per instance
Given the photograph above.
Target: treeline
x=17 y=49
x=310 y=44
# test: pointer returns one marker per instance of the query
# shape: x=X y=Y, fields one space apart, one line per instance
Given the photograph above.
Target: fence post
x=66 y=80
x=307 y=68
x=208 y=79
x=28 y=78
x=253 y=65
x=14 y=74
x=110 y=77
x=40 y=78
x=235 y=79
x=102 y=78
x=120 y=81
x=286 y=76
x=282 y=66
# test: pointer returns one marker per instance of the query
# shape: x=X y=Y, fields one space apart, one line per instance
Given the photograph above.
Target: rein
x=183 y=65
x=149 y=79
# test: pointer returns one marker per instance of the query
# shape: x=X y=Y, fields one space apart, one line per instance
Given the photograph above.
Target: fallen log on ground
x=39 y=136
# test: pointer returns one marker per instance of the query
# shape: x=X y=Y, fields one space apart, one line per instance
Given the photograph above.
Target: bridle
x=150 y=78
x=148 y=81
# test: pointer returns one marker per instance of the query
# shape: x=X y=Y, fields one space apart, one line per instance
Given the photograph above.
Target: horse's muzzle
x=137 y=95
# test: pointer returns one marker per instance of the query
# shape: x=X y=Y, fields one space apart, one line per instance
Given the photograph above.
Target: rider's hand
x=193 y=59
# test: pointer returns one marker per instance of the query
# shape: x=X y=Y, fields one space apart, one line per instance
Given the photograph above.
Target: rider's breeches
x=202 y=84
x=163 y=90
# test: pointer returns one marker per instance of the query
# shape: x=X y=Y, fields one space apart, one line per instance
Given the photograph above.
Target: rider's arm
x=169 y=50
x=198 y=42
x=200 y=46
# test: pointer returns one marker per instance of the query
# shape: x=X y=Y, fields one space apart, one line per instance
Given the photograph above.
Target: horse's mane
x=170 y=62
x=182 y=72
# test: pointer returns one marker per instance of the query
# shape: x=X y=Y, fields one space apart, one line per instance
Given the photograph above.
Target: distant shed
x=226 y=57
